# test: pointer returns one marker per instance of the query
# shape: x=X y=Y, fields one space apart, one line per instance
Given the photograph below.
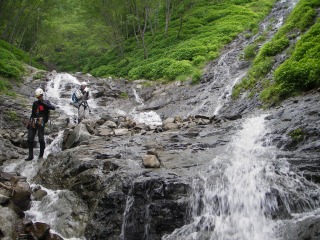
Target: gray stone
x=170 y=126
x=121 y=132
x=110 y=124
x=168 y=120
x=151 y=161
x=104 y=131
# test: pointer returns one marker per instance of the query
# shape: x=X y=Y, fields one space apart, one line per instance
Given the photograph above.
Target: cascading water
x=229 y=70
x=59 y=90
x=148 y=118
x=234 y=200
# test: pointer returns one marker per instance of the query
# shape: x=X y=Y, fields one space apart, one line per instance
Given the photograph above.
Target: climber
x=79 y=99
x=39 y=117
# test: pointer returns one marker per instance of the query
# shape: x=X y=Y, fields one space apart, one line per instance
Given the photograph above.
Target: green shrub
x=188 y=53
x=103 y=71
x=250 y=51
x=261 y=67
x=196 y=77
x=275 y=46
x=11 y=69
x=297 y=135
x=178 y=68
x=213 y=55
x=198 y=60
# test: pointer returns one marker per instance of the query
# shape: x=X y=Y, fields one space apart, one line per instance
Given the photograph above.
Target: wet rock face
x=151 y=207
x=295 y=130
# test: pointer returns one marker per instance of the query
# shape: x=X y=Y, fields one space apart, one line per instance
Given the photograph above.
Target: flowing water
x=223 y=75
x=235 y=200
x=148 y=118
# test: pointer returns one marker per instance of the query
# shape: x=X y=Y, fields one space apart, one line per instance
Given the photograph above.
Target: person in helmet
x=80 y=98
x=39 y=117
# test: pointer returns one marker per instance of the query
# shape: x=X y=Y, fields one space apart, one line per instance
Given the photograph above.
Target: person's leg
x=41 y=141
x=31 y=134
x=81 y=113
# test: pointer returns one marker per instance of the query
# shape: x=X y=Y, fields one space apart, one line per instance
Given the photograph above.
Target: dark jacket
x=39 y=108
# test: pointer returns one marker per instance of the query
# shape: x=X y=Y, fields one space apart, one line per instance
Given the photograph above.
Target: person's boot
x=41 y=152
x=30 y=157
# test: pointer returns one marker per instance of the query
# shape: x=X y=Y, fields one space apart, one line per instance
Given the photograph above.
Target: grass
x=301 y=71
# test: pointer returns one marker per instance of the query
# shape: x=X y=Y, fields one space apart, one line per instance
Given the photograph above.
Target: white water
x=233 y=200
x=148 y=118
x=234 y=192
x=48 y=210
x=59 y=90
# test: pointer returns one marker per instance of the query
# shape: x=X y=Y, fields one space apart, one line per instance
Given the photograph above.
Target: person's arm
x=34 y=110
x=48 y=105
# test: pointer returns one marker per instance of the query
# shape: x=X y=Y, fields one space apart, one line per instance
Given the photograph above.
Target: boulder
x=151 y=161
x=10 y=224
x=170 y=126
x=121 y=132
x=110 y=124
x=76 y=136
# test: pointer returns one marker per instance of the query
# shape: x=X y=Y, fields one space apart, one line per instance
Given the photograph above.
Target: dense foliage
x=301 y=71
x=12 y=68
x=155 y=49
x=159 y=40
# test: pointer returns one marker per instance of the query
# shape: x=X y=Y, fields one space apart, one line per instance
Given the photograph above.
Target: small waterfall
x=129 y=203
x=59 y=91
x=229 y=201
x=148 y=118
x=57 y=209
x=228 y=71
x=55 y=146
x=234 y=199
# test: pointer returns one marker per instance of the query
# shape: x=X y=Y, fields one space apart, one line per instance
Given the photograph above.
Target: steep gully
x=232 y=177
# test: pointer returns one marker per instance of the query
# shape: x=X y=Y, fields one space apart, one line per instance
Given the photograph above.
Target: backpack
x=74 y=98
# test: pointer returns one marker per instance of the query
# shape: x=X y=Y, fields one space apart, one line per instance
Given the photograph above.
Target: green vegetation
x=12 y=68
x=12 y=116
x=124 y=95
x=298 y=135
x=159 y=41
x=301 y=71
x=182 y=52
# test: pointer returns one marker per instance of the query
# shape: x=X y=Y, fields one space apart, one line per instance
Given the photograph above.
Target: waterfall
x=148 y=118
x=223 y=75
x=234 y=199
x=59 y=90
x=229 y=201
x=56 y=209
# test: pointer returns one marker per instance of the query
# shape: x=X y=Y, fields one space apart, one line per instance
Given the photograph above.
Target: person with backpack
x=39 y=117
x=79 y=99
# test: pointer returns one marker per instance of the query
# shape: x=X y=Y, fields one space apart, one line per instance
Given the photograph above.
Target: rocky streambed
x=116 y=178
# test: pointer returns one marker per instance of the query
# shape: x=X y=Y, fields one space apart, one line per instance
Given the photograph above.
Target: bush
x=188 y=53
x=10 y=69
x=250 y=51
x=196 y=77
x=275 y=46
x=261 y=67
x=103 y=71
x=178 y=68
x=198 y=60
x=5 y=87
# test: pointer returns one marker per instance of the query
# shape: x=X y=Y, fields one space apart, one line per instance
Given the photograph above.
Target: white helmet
x=84 y=84
x=38 y=92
